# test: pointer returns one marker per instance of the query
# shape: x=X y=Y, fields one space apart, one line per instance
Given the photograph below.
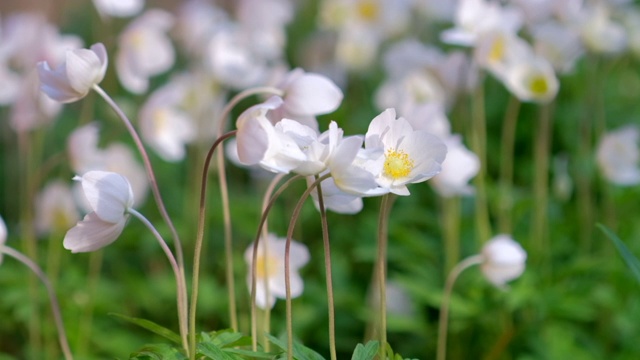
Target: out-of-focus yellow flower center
x=497 y=49
x=369 y=10
x=61 y=221
x=266 y=266
x=397 y=164
x=538 y=85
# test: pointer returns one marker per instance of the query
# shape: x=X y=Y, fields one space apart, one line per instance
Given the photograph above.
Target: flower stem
x=479 y=138
x=383 y=232
x=254 y=257
x=446 y=299
x=150 y=173
x=197 y=254
x=180 y=280
x=506 y=164
x=287 y=267
x=451 y=231
x=539 y=229
x=327 y=266
x=55 y=306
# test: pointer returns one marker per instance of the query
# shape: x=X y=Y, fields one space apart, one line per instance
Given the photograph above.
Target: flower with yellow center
x=409 y=156
x=532 y=79
x=270 y=276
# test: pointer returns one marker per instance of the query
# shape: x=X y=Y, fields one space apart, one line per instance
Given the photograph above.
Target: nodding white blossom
x=55 y=208
x=533 y=80
x=3 y=235
x=164 y=125
x=110 y=197
x=118 y=8
x=145 y=50
x=503 y=260
x=269 y=269
x=309 y=94
x=410 y=156
x=618 y=156
x=600 y=33
x=72 y=80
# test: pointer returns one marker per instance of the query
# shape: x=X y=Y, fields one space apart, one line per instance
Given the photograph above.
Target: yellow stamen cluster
x=497 y=49
x=368 y=10
x=538 y=85
x=266 y=266
x=397 y=164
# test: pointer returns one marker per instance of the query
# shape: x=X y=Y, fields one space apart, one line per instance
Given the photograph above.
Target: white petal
x=83 y=69
x=92 y=233
x=312 y=94
x=108 y=193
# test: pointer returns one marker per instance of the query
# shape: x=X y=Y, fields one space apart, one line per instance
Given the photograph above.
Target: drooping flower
x=618 y=156
x=72 y=80
x=309 y=94
x=145 y=50
x=410 y=156
x=110 y=197
x=270 y=275
x=503 y=260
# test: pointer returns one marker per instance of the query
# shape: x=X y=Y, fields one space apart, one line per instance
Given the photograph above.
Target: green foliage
x=632 y=261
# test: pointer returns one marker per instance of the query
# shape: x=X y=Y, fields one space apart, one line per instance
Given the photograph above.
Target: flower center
x=368 y=10
x=538 y=85
x=266 y=266
x=397 y=164
x=497 y=49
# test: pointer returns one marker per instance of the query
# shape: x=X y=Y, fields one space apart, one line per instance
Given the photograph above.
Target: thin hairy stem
x=55 y=306
x=287 y=267
x=383 y=232
x=446 y=299
x=254 y=257
x=506 y=164
x=180 y=281
x=327 y=266
x=150 y=173
x=197 y=254
x=224 y=195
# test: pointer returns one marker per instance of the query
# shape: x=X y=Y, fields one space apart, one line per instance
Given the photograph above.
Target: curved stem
x=383 y=229
x=287 y=267
x=150 y=173
x=327 y=266
x=55 y=306
x=446 y=298
x=180 y=281
x=198 y=245
x=254 y=258
x=224 y=194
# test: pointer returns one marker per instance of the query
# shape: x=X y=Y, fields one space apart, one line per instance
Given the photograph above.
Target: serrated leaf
x=365 y=352
x=215 y=353
x=151 y=326
x=632 y=262
x=300 y=352
x=157 y=352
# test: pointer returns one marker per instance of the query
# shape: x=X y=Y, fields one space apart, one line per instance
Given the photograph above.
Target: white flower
x=474 y=17
x=71 y=81
x=270 y=275
x=55 y=208
x=118 y=8
x=618 y=156
x=145 y=50
x=503 y=260
x=164 y=126
x=410 y=156
x=460 y=166
x=532 y=80
x=110 y=197
x=309 y=93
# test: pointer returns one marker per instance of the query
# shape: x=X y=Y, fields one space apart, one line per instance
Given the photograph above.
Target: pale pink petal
x=92 y=233
x=108 y=193
x=312 y=94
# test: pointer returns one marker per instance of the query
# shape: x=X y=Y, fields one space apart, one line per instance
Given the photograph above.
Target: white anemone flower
x=270 y=275
x=410 y=156
x=110 y=197
x=164 y=125
x=145 y=50
x=618 y=156
x=118 y=8
x=309 y=94
x=474 y=17
x=533 y=80
x=55 y=208
x=503 y=260
x=72 y=80
x=460 y=166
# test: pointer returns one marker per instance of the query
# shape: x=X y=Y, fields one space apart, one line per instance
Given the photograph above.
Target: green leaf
x=632 y=262
x=300 y=352
x=157 y=352
x=151 y=326
x=365 y=352
x=214 y=352
x=250 y=353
